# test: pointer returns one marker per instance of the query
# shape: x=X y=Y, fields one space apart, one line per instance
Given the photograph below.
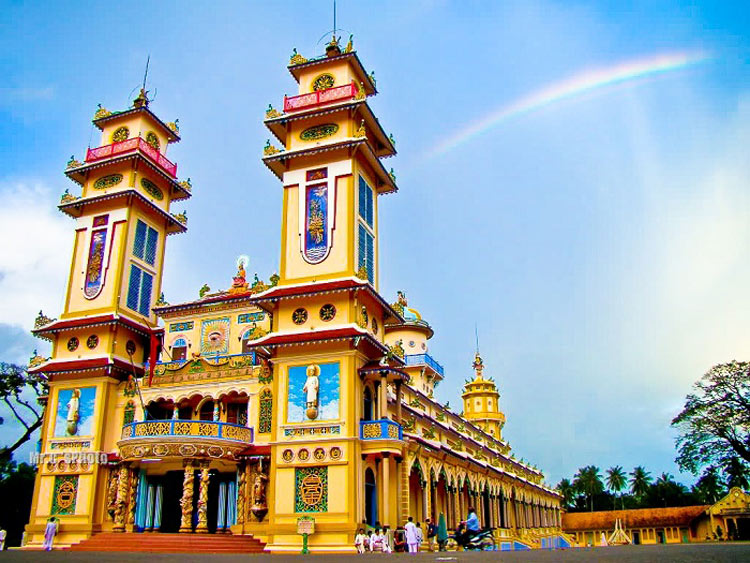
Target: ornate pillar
x=398 y=401
x=132 y=497
x=403 y=512
x=202 y=527
x=456 y=506
x=386 y=502
x=121 y=504
x=383 y=396
x=231 y=504
x=241 y=480
x=149 y=524
x=186 y=502
x=157 y=507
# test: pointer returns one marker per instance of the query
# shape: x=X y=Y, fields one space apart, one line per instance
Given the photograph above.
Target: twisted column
x=202 y=527
x=241 y=479
x=186 y=502
x=121 y=505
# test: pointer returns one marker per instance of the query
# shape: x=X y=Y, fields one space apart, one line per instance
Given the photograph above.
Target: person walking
x=50 y=531
x=431 y=534
x=420 y=536
x=412 y=539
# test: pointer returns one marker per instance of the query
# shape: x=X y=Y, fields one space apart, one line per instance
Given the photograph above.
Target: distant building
x=682 y=524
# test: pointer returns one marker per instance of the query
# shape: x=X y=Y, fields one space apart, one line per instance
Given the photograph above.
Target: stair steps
x=156 y=542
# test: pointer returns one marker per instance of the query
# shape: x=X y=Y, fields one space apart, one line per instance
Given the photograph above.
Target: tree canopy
x=16 y=385
x=714 y=425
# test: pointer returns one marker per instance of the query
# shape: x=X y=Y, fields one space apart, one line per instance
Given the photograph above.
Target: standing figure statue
x=311 y=388
x=71 y=422
x=259 y=507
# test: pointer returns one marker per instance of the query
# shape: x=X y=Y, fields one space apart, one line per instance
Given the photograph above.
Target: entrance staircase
x=156 y=542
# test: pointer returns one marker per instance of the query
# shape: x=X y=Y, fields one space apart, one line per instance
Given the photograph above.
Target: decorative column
x=231 y=504
x=186 y=525
x=383 y=395
x=202 y=527
x=133 y=497
x=149 y=523
x=398 y=401
x=386 y=502
x=121 y=505
x=241 y=505
x=404 y=498
x=157 y=507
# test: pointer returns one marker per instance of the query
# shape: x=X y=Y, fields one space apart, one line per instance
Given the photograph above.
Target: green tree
x=708 y=488
x=616 y=481
x=640 y=479
x=16 y=490
x=714 y=424
x=589 y=481
x=16 y=387
x=568 y=492
x=735 y=472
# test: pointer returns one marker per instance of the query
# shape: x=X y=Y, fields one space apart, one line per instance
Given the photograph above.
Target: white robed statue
x=71 y=421
x=311 y=388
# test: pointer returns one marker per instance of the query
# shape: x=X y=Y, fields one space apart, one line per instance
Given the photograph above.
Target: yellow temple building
x=302 y=402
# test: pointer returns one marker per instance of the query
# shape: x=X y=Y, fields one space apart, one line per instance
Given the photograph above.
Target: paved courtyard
x=704 y=553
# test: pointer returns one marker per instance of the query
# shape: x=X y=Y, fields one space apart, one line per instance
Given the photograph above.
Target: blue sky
x=599 y=243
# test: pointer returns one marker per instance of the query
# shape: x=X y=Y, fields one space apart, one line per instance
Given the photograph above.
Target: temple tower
x=327 y=339
x=107 y=327
x=481 y=401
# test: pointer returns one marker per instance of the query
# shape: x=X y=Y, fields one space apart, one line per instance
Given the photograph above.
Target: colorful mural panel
x=75 y=411
x=250 y=318
x=313 y=393
x=316 y=223
x=215 y=336
x=64 y=496
x=94 y=270
x=311 y=489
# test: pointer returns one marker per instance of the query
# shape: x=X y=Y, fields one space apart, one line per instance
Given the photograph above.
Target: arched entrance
x=367 y=407
x=371 y=497
x=416 y=493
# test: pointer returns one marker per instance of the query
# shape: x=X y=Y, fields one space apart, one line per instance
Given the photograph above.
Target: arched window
x=265 y=411
x=129 y=414
x=179 y=349
x=367 y=406
x=207 y=410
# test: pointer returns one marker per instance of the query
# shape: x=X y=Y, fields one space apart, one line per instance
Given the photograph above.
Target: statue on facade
x=311 y=388
x=259 y=507
x=71 y=421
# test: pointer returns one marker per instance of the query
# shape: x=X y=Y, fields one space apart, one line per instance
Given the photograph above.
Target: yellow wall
x=341 y=72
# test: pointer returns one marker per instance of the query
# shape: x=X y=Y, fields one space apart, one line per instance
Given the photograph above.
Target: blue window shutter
x=362 y=198
x=362 y=261
x=370 y=257
x=369 y=205
x=134 y=287
x=139 y=244
x=150 y=255
x=147 y=281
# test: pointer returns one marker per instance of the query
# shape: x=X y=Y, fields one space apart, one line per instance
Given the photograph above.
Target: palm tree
x=616 y=481
x=640 y=479
x=589 y=481
x=708 y=487
x=568 y=492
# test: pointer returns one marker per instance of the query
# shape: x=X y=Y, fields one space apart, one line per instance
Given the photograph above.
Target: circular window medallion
x=424 y=346
x=317 y=132
x=323 y=82
x=411 y=344
x=130 y=347
x=299 y=316
x=92 y=341
x=287 y=455
x=120 y=134
x=73 y=344
x=152 y=140
x=374 y=325
x=319 y=454
x=327 y=312
x=335 y=453
x=303 y=455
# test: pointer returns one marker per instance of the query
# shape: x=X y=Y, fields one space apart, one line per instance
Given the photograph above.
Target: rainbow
x=576 y=85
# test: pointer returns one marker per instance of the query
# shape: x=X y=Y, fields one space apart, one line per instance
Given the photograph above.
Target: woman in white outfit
x=412 y=538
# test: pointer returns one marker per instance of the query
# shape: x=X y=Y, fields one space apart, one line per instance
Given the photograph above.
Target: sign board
x=306 y=525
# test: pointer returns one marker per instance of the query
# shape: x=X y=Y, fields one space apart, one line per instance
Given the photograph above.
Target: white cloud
x=34 y=254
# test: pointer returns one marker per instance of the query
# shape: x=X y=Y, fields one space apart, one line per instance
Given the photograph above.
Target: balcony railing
x=380 y=430
x=187 y=428
x=132 y=145
x=320 y=97
x=423 y=360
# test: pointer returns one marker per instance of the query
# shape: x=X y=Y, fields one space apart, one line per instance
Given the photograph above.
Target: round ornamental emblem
x=73 y=344
x=319 y=454
x=287 y=455
x=411 y=344
x=120 y=134
x=311 y=490
x=299 y=316
x=335 y=453
x=130 y=347
x=152 y=140
x=323 y=82
x=92 y=341
x=303 y=455
x=327 y=312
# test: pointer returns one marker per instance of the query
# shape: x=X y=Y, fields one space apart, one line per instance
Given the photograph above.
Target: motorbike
x=482 y=540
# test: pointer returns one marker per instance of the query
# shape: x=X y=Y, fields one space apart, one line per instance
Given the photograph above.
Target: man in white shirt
x=412 y=537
